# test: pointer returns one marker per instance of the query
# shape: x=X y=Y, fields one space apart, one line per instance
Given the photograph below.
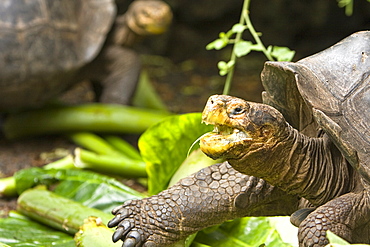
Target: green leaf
x=222 y=65
x=238 y=28
x=242 y=48
x=165 y=145
x=22 y=232
x=218 y=44
x=146 y=96
x=282 y=53
x=89 y=188
x=195 y=162
x=225 y=67
x=334 y=239
x=244 y=232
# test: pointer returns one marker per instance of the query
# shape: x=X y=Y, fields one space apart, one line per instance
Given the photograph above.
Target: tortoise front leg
x=208 y=197
x=347 y=216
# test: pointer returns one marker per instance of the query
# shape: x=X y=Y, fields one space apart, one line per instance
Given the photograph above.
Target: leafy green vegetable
x=244 y=232
x=196 y=161
x=146 y=96
x=89 y=188
x=19 y=231
x=94 y=233
x=336 y=241
x=164 y=147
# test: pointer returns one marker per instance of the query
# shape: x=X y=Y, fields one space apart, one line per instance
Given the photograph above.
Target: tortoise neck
x=121 y=34
x=313 y=168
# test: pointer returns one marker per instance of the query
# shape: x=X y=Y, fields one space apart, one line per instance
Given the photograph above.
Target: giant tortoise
x=47 y=45
x=305 y=151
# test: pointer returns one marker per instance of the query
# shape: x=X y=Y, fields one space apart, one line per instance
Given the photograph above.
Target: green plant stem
x=238 y=37
x=349 y=8
x=118 y=165
x=56 y=211
x=7 y=187
x=107 y=118
x=253 y=31
x=124 y=147
x=94 y=143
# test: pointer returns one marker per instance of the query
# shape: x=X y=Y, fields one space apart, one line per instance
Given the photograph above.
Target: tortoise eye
x=237 y=111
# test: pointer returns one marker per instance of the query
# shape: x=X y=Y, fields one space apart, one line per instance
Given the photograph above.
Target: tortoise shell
x=43 y=44
x=330 y=89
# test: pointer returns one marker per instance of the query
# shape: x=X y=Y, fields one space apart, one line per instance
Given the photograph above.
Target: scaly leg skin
x=347 y=216
x=208 y=197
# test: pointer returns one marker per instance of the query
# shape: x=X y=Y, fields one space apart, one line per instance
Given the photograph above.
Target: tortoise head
x=241 y=128
x=149 y=17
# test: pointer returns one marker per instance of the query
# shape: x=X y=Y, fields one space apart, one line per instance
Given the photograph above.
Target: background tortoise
x=326 y=170
x=47 y=45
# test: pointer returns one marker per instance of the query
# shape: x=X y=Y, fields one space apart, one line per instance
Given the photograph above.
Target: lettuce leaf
x=165 y=145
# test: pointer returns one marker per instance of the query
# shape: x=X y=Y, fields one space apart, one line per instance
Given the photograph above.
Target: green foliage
x=244 y=232
x=336 y=241
x=20 y=231
x=90 y=188
x=164 y=147
x=347 y=5
x=93 y=233
x=242 y=47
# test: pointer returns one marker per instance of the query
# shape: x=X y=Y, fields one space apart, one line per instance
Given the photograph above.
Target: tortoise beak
x=227 y=132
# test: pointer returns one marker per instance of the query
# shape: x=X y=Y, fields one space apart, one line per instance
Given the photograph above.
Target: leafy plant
x=242 y=47
x=336 y=241
x=347 y=5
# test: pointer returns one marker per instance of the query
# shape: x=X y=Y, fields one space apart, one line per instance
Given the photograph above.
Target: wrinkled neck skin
x=121 y=34
x=312 y=168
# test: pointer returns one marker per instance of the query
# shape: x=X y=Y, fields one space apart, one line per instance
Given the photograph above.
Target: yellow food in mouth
x=230 y=133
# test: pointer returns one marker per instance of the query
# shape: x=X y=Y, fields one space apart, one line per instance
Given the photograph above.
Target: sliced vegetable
x=94 y=233
x=56 y=211
x=107 y=118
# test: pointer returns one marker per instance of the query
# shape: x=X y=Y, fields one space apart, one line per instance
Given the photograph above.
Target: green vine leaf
x=238 y=28
x=282 y=53
x=242 y=48
x=225 y=67
x=218 y=44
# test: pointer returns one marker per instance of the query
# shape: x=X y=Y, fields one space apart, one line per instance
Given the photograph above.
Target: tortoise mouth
x=222 y=140
x=230 y=133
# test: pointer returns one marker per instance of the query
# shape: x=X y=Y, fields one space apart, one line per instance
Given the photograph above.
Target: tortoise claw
x=115 y=221
x=122 y=229
x=117 y=234
x=133 y=239
x=129 y=243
